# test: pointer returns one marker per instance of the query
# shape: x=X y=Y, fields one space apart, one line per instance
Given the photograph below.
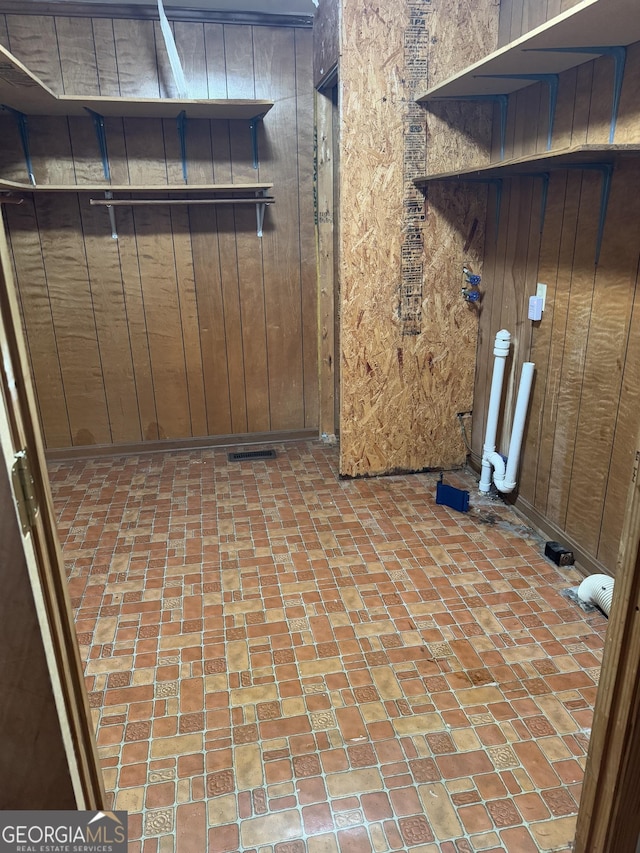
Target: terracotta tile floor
x=282 y=662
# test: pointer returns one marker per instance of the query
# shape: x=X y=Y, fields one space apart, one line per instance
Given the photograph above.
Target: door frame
x=326 y=188
x=20 y=431
x=609 y=818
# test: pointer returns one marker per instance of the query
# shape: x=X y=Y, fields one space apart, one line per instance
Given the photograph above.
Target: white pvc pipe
x=500 y=351
x=598 y=590
x=508 y=482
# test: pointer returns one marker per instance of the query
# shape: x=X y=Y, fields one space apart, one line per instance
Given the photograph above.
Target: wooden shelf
x=74 y=105
x=581 y=155
x=602 y=23
x=13 y=186
x=23 y=91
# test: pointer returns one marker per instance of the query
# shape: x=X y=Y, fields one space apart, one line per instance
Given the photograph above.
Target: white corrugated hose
x=598 y=590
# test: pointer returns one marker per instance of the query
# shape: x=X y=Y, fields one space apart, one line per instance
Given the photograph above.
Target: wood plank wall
x=33 y=754
x=517 y=17
x=584 y=411
x=326 y=40
x=400 y=393
x=188 y=325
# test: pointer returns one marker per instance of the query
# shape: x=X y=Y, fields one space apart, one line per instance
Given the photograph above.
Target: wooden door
x=48 y=758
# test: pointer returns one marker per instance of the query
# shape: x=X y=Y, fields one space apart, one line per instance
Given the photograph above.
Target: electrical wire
x=466 y=441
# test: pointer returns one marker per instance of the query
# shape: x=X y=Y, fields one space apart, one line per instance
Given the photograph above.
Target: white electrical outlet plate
x=541 y=291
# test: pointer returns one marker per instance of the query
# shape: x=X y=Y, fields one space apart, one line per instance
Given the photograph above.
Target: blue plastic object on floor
x=452 y=497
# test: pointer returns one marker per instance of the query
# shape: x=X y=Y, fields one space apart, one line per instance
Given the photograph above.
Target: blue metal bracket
x=21 y=121
x=181 y=122
x=619 y=55
x=545 y=192
x=552 y=82
x=260 y=209
x=253 y=127
x=112 y=216
x=101 y=134
x=503 y=103
x=606 y=170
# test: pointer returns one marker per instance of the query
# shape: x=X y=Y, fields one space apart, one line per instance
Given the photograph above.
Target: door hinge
x=24 y=491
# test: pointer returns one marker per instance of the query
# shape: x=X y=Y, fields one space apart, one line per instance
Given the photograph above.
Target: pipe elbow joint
x=503 y=486
x=499 y=472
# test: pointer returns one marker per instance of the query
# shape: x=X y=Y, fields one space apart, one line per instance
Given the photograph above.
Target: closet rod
x=135 y=201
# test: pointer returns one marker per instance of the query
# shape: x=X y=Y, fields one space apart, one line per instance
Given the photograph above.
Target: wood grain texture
x=137 y=325
x=308 y=272
x=274 y=49
x=48 y=717
x=326 y=39
x=189 y=318
x=33 y=754
x=326 y=261
x=38 y=321
x=608 y=820
x=215 y=352
x=110 y=313
x=484 y=349
x=606 y=354
x=65 y=261
x=518 y=17
x=578 y=283
x=162 y=314
x=583 y=413
x=626 y=422
x=192 y=290
x=400 y=394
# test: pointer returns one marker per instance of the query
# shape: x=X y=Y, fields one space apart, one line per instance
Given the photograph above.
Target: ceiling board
x=266 y=7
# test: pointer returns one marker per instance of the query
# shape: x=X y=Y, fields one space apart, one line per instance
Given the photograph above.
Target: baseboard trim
x=585 y=562
x=64 y=454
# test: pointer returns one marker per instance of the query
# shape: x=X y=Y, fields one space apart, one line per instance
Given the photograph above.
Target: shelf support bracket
x=23 y=128
x=544 y=176
x=101 y=135
x=253 y=127
x=181 y=122
x=503 y=103
x=606 y=170
x=552 y=82
x=112 y=215
x=619 y=55
x=260 y=210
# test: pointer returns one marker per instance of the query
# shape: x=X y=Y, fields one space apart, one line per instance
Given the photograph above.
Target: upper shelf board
x=23 y=91
x=579 y=155
x=135 y=188
x=591 y=23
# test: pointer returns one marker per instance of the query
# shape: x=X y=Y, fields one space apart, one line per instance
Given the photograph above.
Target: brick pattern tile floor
x=280 y=662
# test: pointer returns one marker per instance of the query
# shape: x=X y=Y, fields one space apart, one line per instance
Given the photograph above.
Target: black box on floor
x=558 y=554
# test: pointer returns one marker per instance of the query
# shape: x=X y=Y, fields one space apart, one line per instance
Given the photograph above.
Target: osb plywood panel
x=188 y=325
x=326 y=39
x=407 y=360
x=584 y=409
x=461 y=32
